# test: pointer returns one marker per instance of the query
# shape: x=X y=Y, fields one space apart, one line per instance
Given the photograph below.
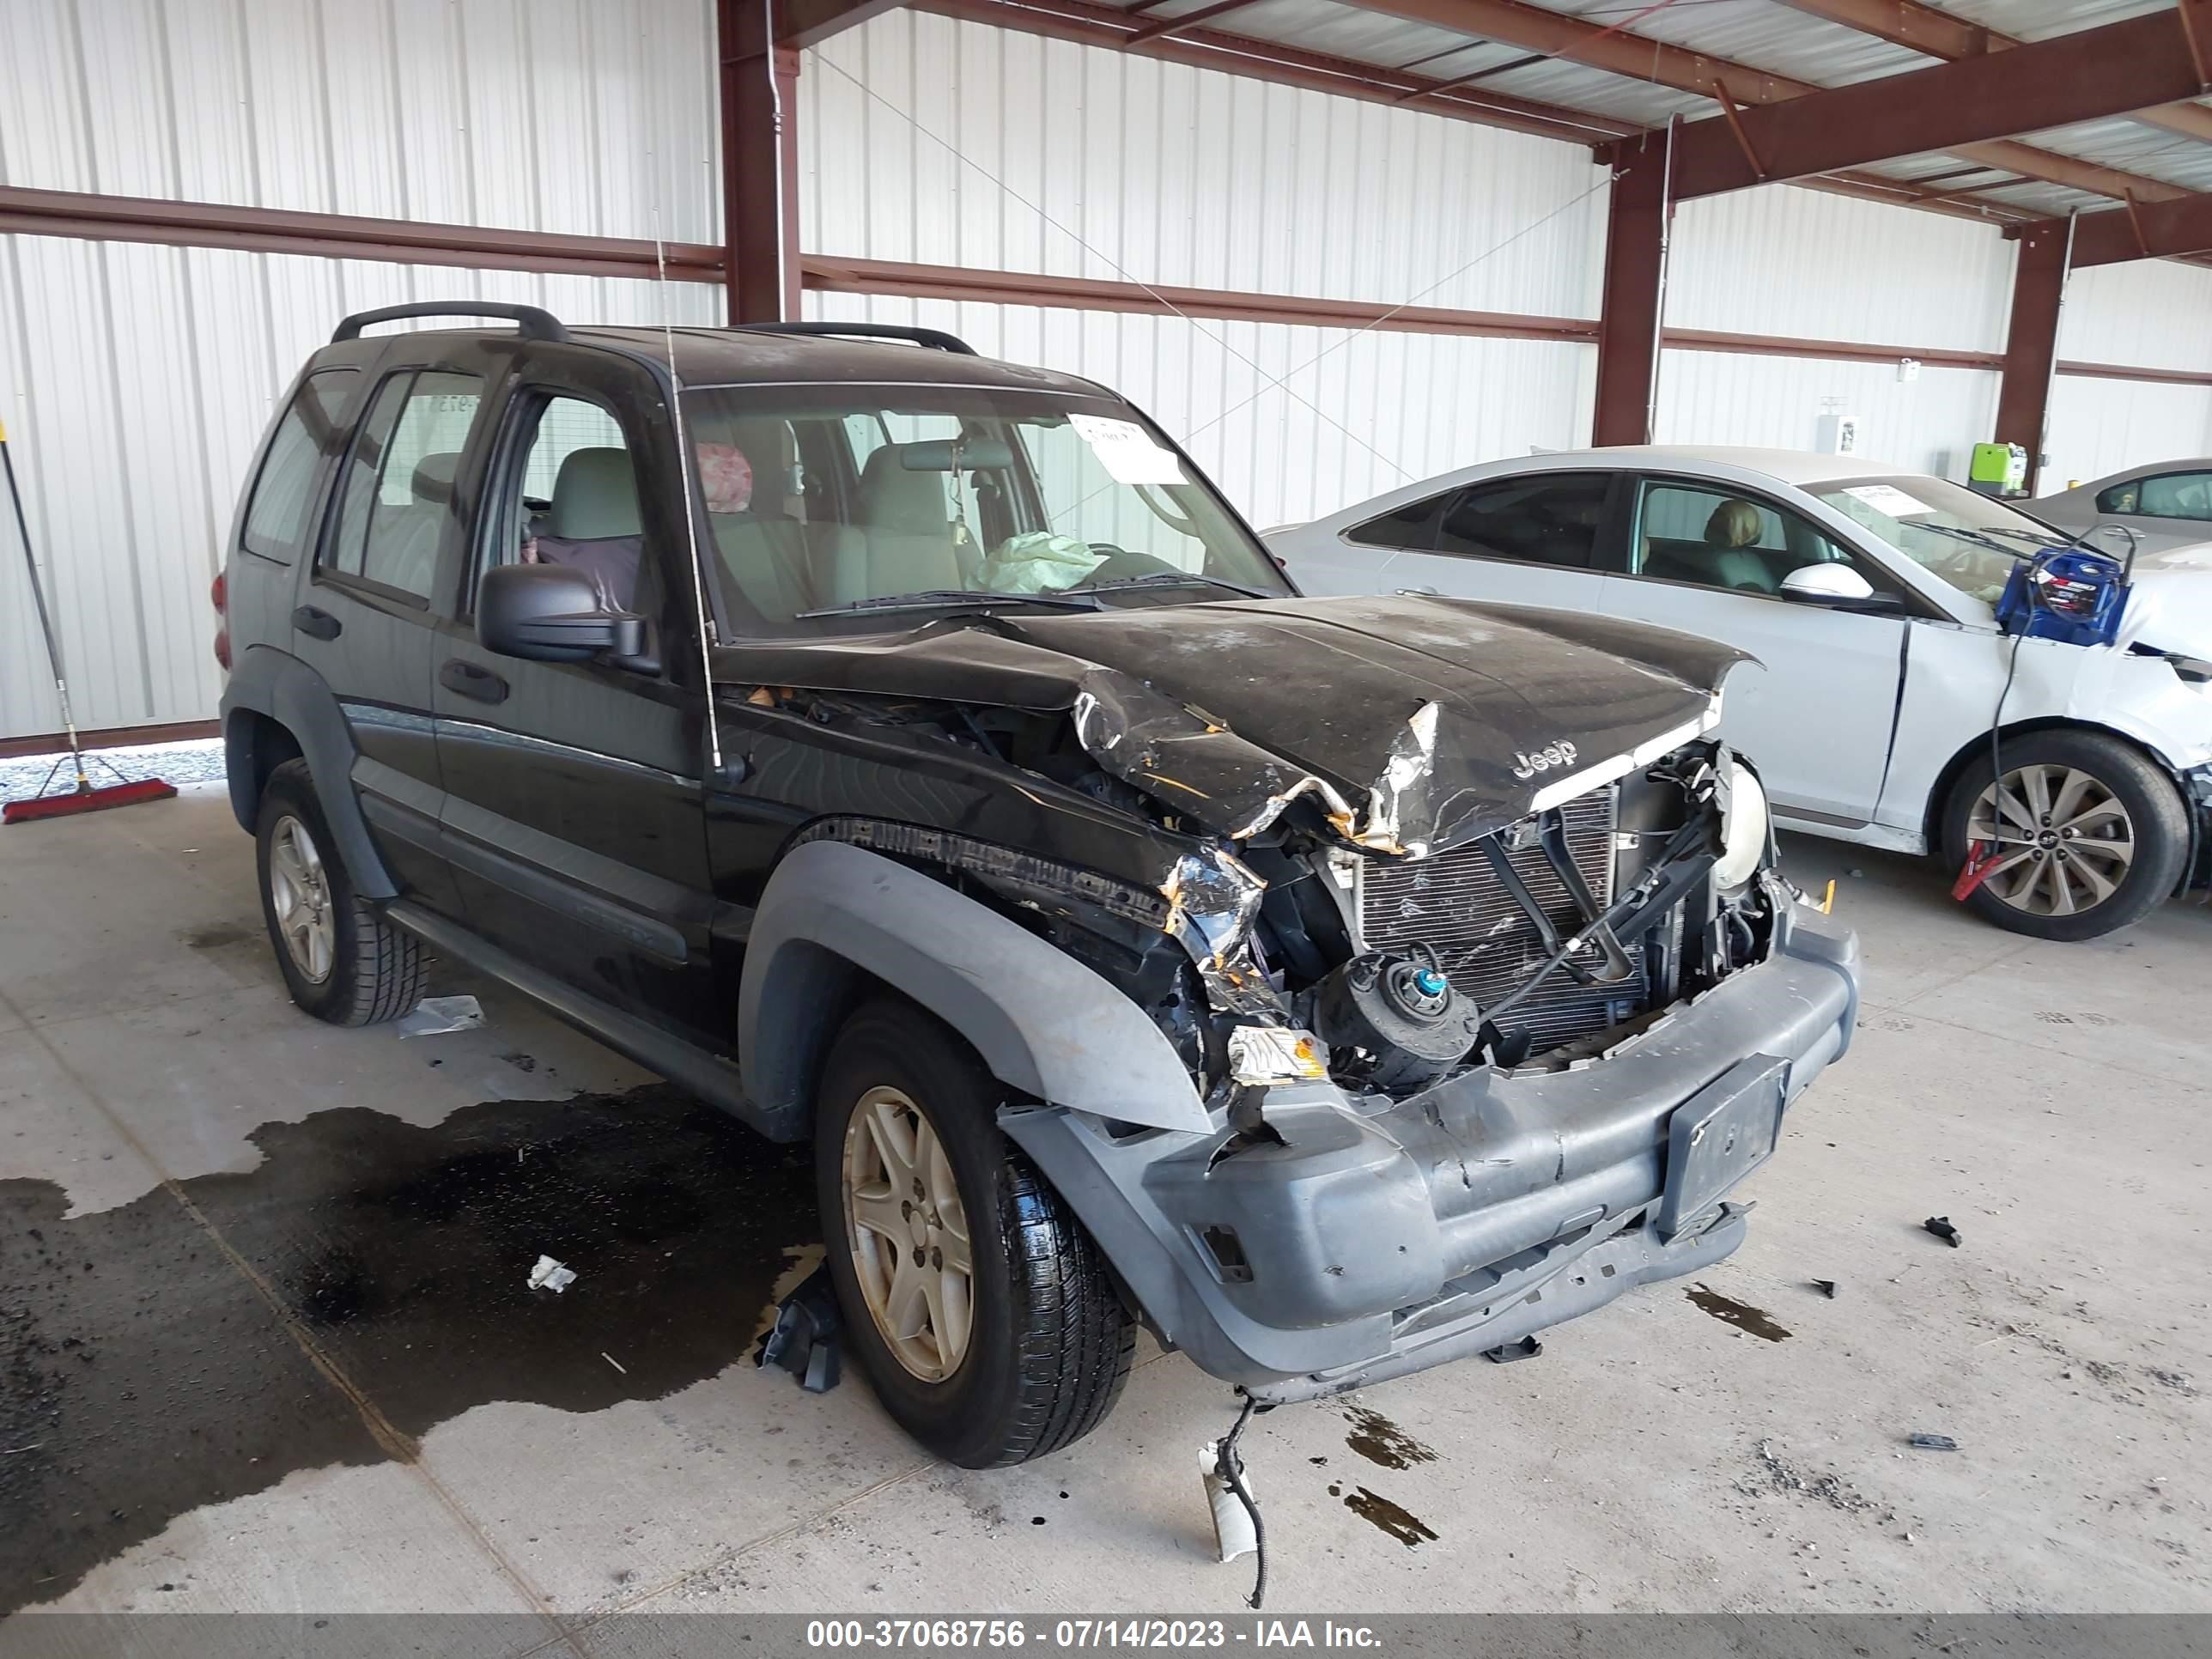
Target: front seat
x=417 y=529
x=905 y=542
x=1732 y=559
x=594 y=526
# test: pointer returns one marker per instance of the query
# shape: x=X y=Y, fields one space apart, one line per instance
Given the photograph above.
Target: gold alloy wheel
x=300 y=894
x=908 y=1234
x=2064 y=842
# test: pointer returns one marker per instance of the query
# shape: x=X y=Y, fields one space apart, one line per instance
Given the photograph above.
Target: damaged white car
x=1894 y=674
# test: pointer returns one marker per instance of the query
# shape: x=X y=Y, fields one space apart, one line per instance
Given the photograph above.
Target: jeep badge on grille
x=1558 y=754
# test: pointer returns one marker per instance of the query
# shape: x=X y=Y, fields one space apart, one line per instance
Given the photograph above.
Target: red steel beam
x=2038 y=285
x=1939 y=35
x=1634 y=271
x=1956 y=108
x=1641 y=57
x=1092 y=25
x=2142 y=230
x=341 y=236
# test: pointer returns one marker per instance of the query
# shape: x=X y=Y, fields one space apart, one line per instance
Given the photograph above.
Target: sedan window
x=2176 y=495
x=1711 y=536
x=1552 y=518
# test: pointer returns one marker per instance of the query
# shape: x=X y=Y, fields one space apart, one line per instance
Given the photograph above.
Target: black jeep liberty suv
x=915 y=753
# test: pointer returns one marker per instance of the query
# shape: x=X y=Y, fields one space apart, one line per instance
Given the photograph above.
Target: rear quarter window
x=279 y=503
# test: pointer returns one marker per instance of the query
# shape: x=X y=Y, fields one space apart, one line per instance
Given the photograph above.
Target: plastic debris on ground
x=804 y=1338
x=551 y=1275
x=1232 y=1523
x=1932 y=1442
x=436 y=1016
x=1940 y=1226
x=1826 y=1287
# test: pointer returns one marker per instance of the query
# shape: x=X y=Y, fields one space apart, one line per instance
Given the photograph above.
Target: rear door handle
x=470 y=679
x=316 y=622
x=1419 y=593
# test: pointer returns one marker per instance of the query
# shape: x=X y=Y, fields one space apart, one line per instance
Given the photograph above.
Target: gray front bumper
x=1383 y=1237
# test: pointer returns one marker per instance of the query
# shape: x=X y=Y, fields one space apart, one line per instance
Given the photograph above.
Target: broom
x=84 y=797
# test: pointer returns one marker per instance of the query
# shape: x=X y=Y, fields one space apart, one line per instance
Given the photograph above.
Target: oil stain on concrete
x=1379 y=1440
x=1741 y=1315
x=142 y=1376
x=1406 y=1528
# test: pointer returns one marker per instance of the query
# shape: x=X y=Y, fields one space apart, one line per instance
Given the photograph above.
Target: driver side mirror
x=1836 y=585
x=551 y=613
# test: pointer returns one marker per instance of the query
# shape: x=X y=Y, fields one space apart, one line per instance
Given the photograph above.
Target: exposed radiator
x=1455 y=903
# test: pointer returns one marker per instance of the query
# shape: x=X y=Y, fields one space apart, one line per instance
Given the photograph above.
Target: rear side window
x=1551 y=519
x=2176 y=495
x=1410 y=526
x=397 y=492
x=276 y=513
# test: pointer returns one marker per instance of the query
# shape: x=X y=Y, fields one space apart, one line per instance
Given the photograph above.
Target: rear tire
x=2129 y=840
x=1031 y=1354
x=342 y=961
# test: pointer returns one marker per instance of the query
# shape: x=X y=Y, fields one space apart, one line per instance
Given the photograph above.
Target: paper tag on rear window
x=1127 y=451
x=1889 y=499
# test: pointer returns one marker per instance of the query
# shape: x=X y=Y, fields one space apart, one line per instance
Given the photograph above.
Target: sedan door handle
x=470 y=679
x=1419 y=593
x=316 y=622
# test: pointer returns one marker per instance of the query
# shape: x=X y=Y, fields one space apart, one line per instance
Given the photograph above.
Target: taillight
x=218 y=597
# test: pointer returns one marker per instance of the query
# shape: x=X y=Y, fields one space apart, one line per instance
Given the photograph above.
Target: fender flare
x=277 y=684
x=1042 y=1022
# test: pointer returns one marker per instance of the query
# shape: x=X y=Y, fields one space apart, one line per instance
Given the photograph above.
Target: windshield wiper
x=952 y=599
x=2042 y=538
x=1172 y=578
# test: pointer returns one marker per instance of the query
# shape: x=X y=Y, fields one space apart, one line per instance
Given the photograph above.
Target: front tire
x=342 y=961
x=980 y=1310
x=2091 y=834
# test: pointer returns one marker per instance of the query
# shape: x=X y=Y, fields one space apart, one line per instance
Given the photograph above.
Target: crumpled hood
x=1411 y=722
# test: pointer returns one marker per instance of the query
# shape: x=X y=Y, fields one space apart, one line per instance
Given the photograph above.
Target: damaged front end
x=1467 y=1082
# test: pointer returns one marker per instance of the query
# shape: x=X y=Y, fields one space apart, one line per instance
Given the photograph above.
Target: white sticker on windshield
x=1889 y=499
x=1127 y=451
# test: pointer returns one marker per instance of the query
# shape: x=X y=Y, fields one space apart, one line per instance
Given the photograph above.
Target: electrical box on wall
x=1836 y=433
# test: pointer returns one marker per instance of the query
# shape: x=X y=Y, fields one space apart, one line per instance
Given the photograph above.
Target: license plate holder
x=1719 y=1136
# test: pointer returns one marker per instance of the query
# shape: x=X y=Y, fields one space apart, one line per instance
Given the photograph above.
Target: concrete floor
x=265 y=1343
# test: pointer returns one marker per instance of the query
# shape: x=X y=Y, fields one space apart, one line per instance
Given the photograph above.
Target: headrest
x=595 y=496
x=902 y=502
x=433 y=483
x=725 y=477
x=935 y=455
x=1734 y=523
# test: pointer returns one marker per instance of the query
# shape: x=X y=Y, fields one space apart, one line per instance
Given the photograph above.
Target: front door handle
x=472 y=679
x=316 y=622
x=1419 y=593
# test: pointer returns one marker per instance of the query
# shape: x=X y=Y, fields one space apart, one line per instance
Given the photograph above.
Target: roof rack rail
x=535 y=323
x=936 y=338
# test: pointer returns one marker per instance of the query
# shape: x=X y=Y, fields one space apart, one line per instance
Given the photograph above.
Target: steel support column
x=2038 y=284
x=1635 y=290
x=760 y=163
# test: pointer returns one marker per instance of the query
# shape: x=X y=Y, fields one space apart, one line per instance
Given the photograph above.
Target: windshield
x=834 y=506
x=1971 y=540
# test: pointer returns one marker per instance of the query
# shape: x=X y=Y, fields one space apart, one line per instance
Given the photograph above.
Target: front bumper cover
x=1384 y=1236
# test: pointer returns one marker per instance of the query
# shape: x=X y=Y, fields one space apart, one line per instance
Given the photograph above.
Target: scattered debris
x=1527 y=1348
x=1407 y=1528
x=1826 y=1287
x=17 y=1451
x=1780 y=1475
x=1931 y=1442
x=1379 y=1440
x=437 y=1016
x=804 y=1338
x=551 y=1275
x=614 y=1362
x=1741 y=1315
x=1940 y=1226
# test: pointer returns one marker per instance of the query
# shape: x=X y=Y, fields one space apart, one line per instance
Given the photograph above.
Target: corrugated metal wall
x=945 y=143
x=2158 y=314
x=1376 y=410
x=135 y=380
